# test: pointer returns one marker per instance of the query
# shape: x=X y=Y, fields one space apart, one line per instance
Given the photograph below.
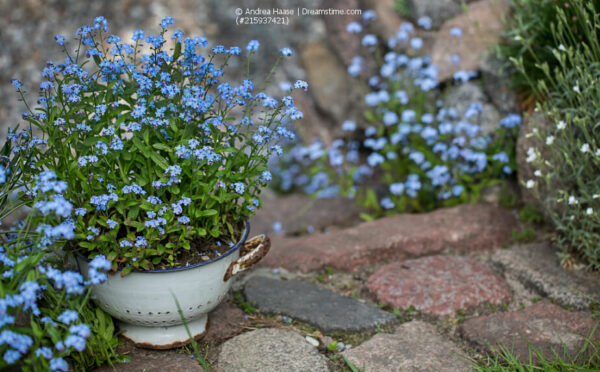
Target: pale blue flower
x=348 y=126
x=416 y=43
x=369 y=40
x=456 y=32
x=375 y=159
x=397 y=188
x=425 y=22
x=390 y=118
x=387 y=203
x=353 y=27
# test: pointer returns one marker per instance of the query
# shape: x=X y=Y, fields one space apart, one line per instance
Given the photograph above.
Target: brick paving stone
x=438 y=285
x=470 y=227
x=546 y=326
x=537 y=266
x=270 y=350
x=224 y=322
x=322 y=308
x=414 y=346
x=153 y=361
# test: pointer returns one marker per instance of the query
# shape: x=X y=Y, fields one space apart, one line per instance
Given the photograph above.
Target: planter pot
x=144 y=301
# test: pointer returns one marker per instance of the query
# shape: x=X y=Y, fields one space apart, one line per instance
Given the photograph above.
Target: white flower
x=572 y=200
x=598 y=152
x=576 y=88
x=585 y=147
x=517 y=38
x=561 y=125
x=537 y=173
x=531 y=155
x=562 y=47
x=595 y=196
x=589 y=211
x=549 y=140
x=529 y=184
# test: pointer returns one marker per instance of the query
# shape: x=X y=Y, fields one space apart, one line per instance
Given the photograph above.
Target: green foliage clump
x=161 y=153
x=529 y=39
x=525 y=236
x=529 y=214
x=568 y=165
x=46 y=319
x=402 y=8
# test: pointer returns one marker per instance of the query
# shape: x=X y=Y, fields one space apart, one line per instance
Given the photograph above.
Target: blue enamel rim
x=235 y=248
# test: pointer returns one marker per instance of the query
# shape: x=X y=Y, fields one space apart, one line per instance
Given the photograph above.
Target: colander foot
x=164 y=337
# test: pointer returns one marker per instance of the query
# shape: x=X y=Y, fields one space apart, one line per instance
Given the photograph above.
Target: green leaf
x=140 y=146
x=87 y=245
x=90 y=141
x=106 y=239
x=174 y=126
x=37 y=330
x=159 y=160
x=162 y=146
x=370 y=116
x=177 y=51
x=119 y=208
x=133 y=212
x=146 y=135
x=367 y=217
x=111 y=256
x=121 y=119
x=174 y=189
x=206 y=213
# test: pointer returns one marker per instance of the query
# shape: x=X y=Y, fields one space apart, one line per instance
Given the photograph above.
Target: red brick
x=471 y=227
x=546 y=326
x=438 y=285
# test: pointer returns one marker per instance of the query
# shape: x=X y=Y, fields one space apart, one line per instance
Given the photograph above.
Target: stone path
x=322 y=308
x=445 y=293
